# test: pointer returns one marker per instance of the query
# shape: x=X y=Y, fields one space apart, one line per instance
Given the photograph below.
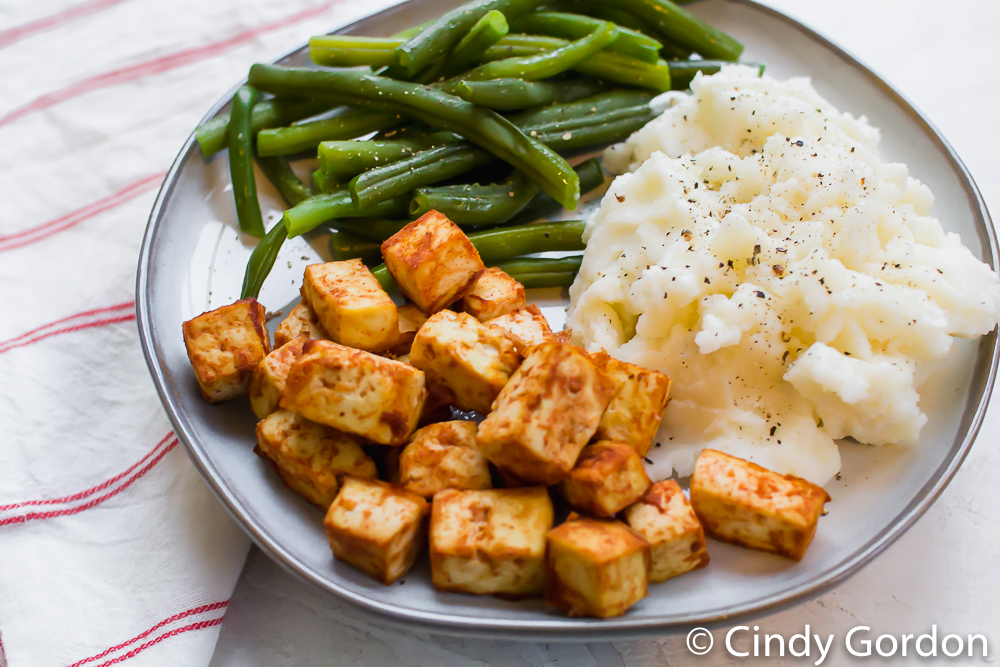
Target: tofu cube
x=443 y=456
x=525 y=327
x=546 y=414
x=311 y=458
x=300 y=321
x=355 y=392
x=743 y=503
x=608 y=477
x=665 y=518
x=636 y=408
x=377 y=527
x=432 y=261
x=224 y=346
x=595 y=567
x=493 y=293
x=465 y=361
x=411 y=319
x=490 y=542
x=351 y=305
x=267 y=383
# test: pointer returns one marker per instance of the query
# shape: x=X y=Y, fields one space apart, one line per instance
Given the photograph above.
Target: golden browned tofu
x=743 y=503
x=664 y=517
x=493 y=293
x=377 y=527
x=465 y=361
x=267 y=383
x=351 y=305
x=224 y=346
x=310 y=457
x=300 y=321
x=355 y=392
x=490 y=542
x=432 y=261
x=634 y=413
x=443 y=456
x=525 y=327
x=411 y=319
x=595 y=567
x=546 y=414
x=608 y=477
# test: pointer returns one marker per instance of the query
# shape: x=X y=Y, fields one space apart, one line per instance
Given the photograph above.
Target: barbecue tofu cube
x=546 y=414
x=224 y=346
x=351 y=305
x=664 y=517
x=411 y=319
x=355 y=392
x=634 y=413
x=608 y=477
x=743 y=503
x=595 y=567
x=465 y=361
x=493 y=293
x=301 y=321
x=490 y=542
x=267 y=383
x=443 y=456
x=377 y=527
x=310 y=457
x=432 y=261
x=525 y=326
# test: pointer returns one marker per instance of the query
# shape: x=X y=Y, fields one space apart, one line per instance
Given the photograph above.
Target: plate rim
x=566 y=629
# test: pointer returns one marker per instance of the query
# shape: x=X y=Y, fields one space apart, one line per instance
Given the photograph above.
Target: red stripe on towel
x=19 y=32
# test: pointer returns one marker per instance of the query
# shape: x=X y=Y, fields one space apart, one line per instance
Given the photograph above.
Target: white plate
x=192 y=260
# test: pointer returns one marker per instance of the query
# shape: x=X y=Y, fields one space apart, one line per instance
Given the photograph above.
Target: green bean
x=584 y=108
x=493 y=204
x=522 y=265
x=337 y=204
x=482 y=127
x=440 y=37
x=211 y=134
x=539 y=280
x=352 y=51
x=426 y=167
x=280 y=174
x=372 y=230
x=324 y=182
x=511 y=94
x=591 y=177
x=593 y=135
x=485 y=33
x=576 y=26
x=296 y=138
x=241 y=162
x=349 y=158
x=548 y=63
x=262 y=260
x=616 y=16
x=683 y=71
x=344 y=245
x=682 y=28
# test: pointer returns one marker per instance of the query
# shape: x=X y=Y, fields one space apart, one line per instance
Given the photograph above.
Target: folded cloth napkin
x=112 y=548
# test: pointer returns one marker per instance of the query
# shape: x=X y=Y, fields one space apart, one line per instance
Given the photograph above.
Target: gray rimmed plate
x=192 y=260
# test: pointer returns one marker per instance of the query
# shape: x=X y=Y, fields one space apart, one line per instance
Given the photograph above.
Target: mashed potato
x=790 y=282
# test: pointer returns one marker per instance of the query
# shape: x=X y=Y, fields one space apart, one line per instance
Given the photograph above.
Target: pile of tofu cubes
x=358 y=389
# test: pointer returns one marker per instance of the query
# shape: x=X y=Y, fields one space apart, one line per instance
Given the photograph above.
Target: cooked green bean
x=352 y=51
x=346 y=159
x=512 y=94
x=314 y=211
x=591 y=177
x=616 y=16
x=682 y=28
x=296 y=138
x=630 y=43
x=482 y=127
x=581 y=109
x=548 y=63
x=372 y=230
x=344 y=245
x=324 y=182
x=538 y=280
x=241 y=162
x=683 y=71
x=211 y=134
x=262 y=260
x=280 y=174
x=522 y=265
x=441 y=36
x=592 y=135
x=488 y=31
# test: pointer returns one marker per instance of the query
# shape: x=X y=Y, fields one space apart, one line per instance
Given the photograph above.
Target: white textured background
x=943 y=56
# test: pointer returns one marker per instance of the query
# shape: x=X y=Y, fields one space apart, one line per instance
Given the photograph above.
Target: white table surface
x=943 y=56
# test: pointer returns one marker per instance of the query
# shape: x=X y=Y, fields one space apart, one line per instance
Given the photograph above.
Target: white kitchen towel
x=112 y=548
